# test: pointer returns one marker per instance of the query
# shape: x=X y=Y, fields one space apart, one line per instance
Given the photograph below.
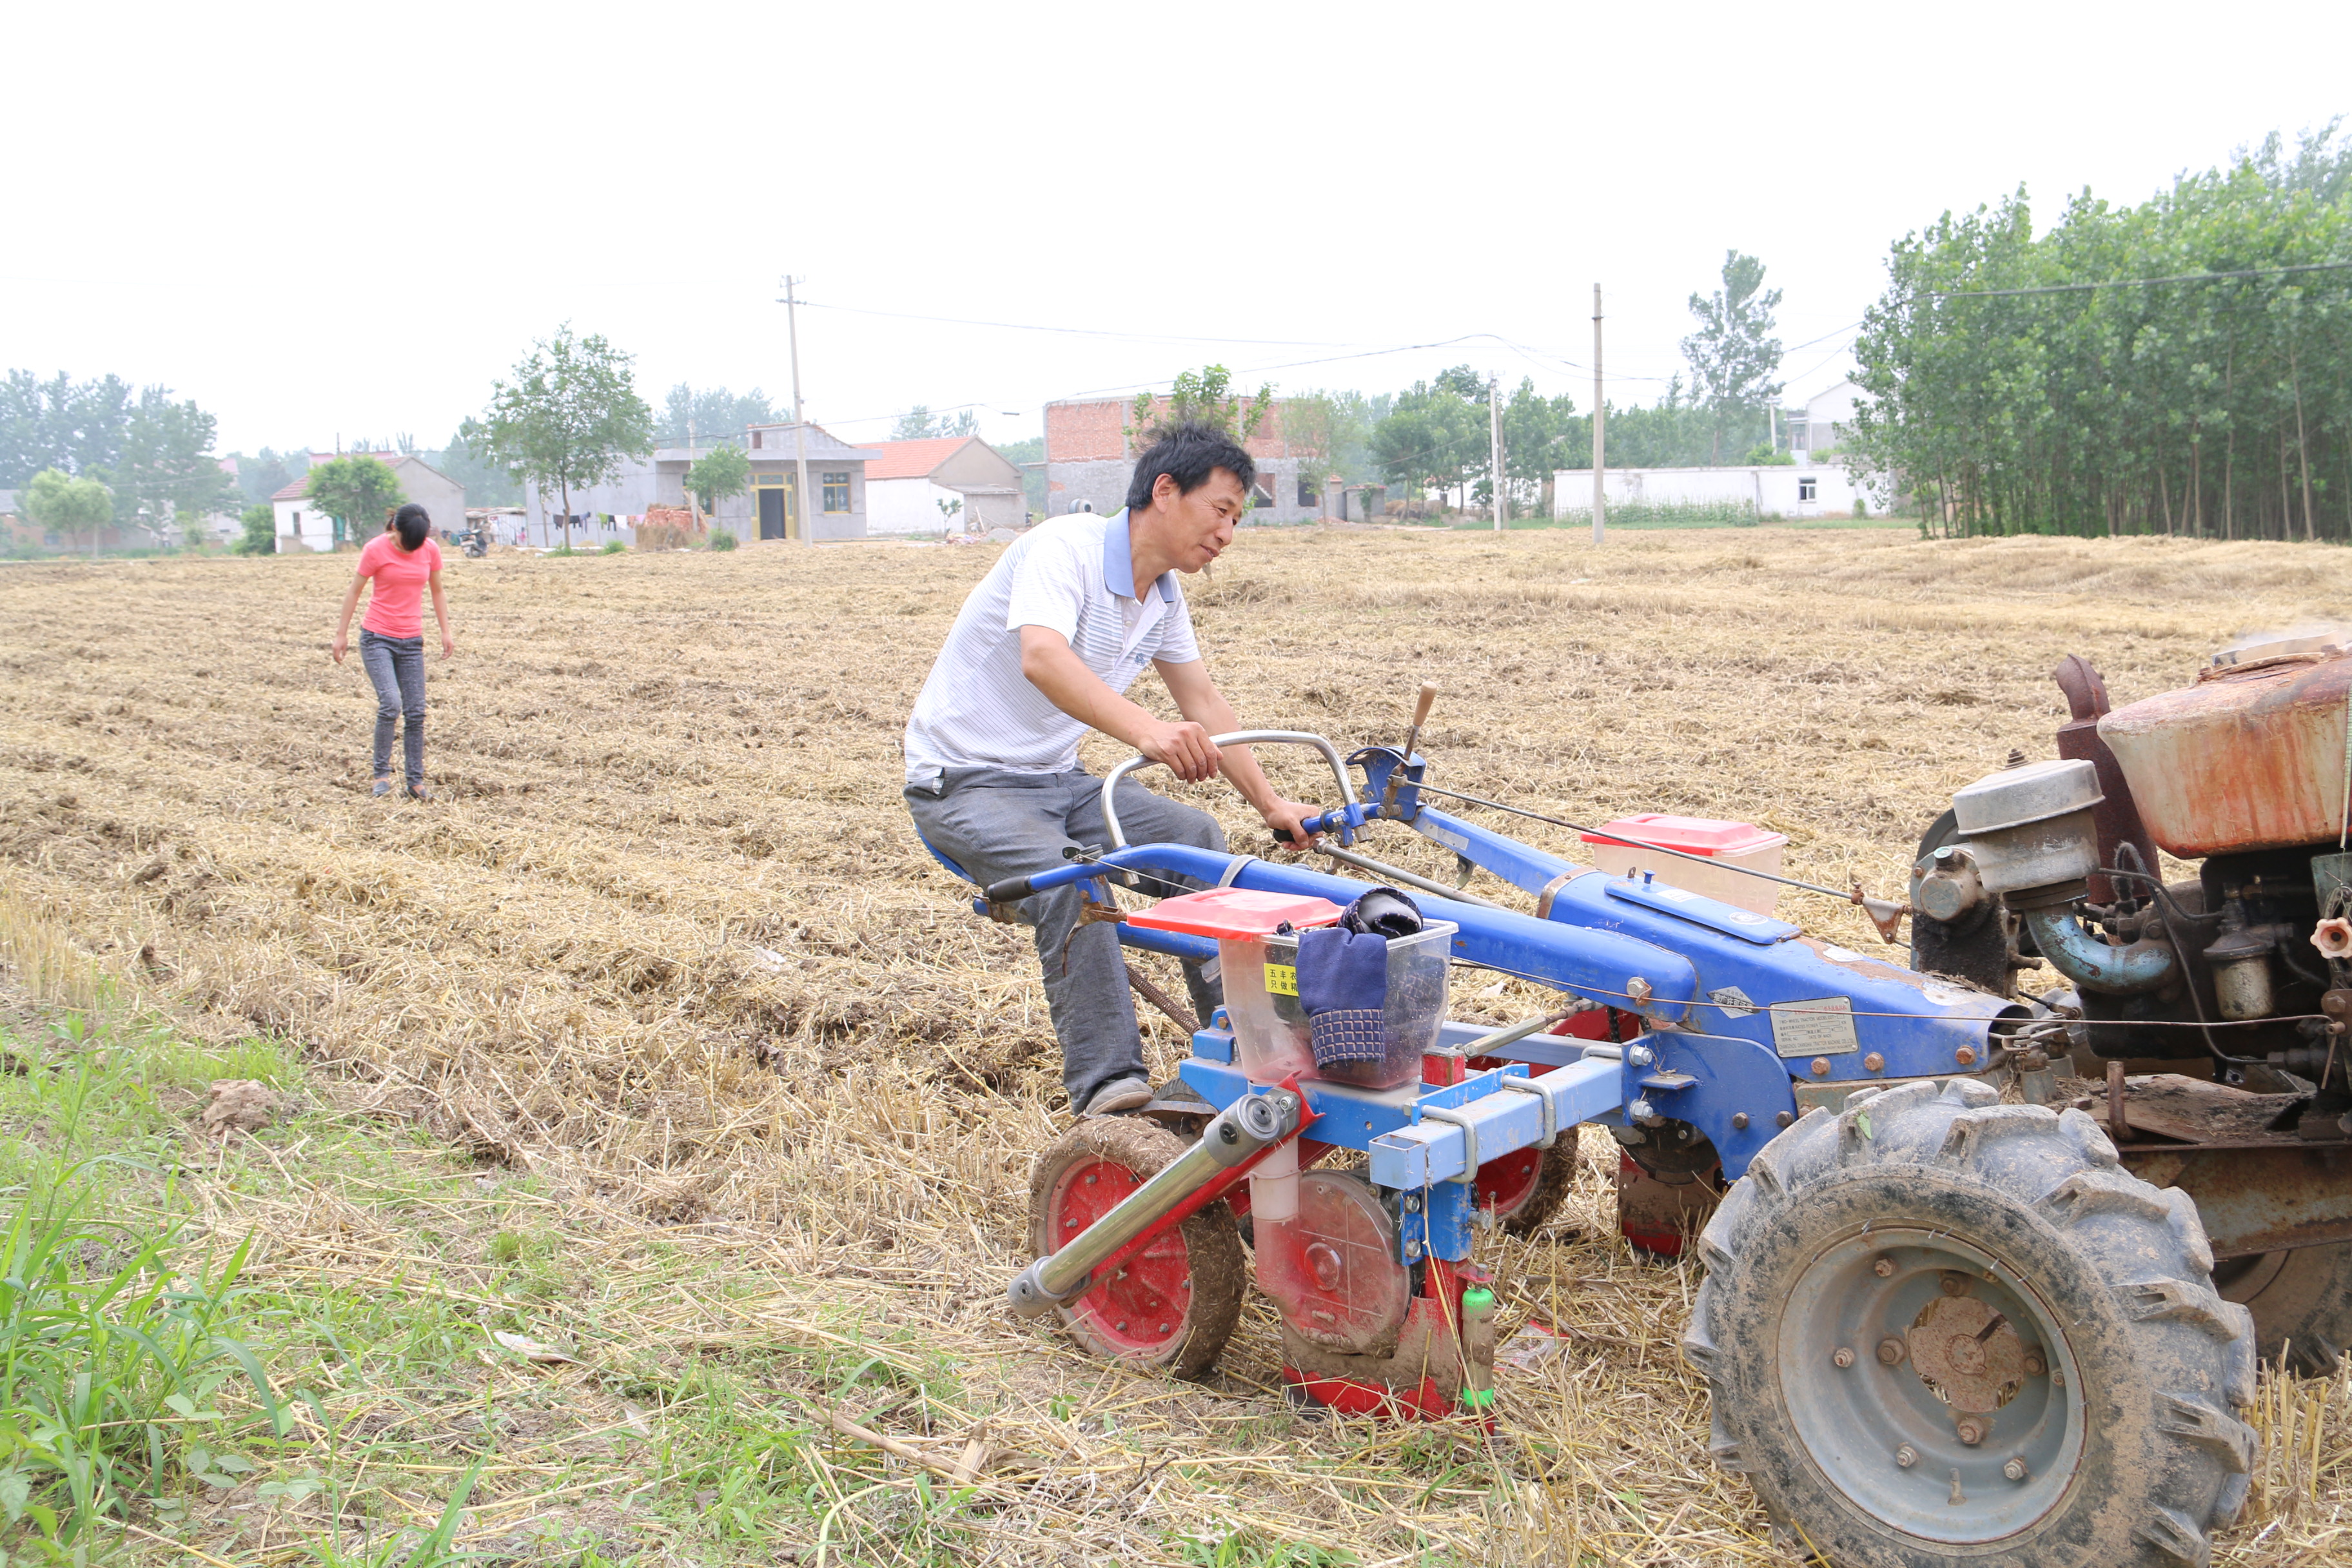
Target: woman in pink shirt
x=403 y=560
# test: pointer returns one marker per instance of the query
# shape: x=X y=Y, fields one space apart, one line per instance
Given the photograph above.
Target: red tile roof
x=912 y=459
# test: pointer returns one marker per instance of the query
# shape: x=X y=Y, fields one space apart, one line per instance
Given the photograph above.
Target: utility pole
x=1600 y=412
x=1495 y=442
x=800 y=424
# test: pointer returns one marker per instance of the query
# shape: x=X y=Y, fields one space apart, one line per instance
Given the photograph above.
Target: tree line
x=1433 y=438
x=132 y=459
x=2182 y=366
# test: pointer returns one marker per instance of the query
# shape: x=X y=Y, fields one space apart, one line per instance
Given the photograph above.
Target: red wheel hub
x=1143 y=1307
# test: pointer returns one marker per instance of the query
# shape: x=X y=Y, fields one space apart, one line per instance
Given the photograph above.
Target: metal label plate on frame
x=1820 y=1028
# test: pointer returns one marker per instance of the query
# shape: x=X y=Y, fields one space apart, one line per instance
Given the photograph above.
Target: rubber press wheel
x=1171 y=1307
x=1940 y=1329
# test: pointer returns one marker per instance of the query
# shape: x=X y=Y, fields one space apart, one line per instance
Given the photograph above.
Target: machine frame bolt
x=1874 y=1062
x=1739 y=1122
x=1842 y=1356
x=2015 y=1469
x=1891 y=1351
x=1820 y=1068
x=1966 y=1055
x=1906 y=1456
x=1640 y=1056
x=1785 y=1119
x=1884 y=1268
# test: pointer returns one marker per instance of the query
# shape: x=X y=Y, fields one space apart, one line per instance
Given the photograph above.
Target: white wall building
x=954 y=484
x=303 y=526
x=1829 y=417
x=1806 y=489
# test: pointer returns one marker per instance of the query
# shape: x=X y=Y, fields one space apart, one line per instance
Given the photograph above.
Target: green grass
x=230 y=1345
x=613 y=547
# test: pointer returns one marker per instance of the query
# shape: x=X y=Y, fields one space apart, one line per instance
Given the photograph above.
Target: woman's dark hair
x=414 y=523
x=1188 y=453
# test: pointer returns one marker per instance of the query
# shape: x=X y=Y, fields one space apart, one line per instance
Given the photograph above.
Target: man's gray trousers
x=997 y=825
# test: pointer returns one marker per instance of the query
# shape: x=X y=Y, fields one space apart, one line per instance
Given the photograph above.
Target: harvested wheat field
x=667 y=943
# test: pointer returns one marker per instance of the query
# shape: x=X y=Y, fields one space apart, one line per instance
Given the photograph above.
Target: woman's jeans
x=395 y=668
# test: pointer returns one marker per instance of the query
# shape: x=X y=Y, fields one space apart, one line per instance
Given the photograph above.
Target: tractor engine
x=2241 y=964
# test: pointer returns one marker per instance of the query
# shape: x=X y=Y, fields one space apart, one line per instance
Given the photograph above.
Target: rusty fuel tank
x=2250 y=757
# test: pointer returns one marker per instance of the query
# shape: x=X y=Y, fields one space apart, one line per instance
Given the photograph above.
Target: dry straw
x=666 y=939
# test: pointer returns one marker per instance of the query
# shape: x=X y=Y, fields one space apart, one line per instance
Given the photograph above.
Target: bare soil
x=666 y=937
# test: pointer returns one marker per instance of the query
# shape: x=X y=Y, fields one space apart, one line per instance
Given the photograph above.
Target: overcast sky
x=318 y=221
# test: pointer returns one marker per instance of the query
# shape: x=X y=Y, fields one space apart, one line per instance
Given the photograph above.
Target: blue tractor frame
x=1741 y=1014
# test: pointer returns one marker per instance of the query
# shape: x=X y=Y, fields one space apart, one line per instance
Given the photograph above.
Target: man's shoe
x=1118 y=1096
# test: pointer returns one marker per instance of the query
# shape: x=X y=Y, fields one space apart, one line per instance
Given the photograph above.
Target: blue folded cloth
x=1343 y=988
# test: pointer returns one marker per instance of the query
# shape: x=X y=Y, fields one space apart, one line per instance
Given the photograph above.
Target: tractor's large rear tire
x=1173 y=1306
x=2302 y=1303
x=1942 y=1330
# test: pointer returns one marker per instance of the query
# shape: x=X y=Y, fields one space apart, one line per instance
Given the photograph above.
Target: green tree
x=466 y=460
x=1327 y=432
x=70 y=505
x=568 y=419
x=267 y=472
x=1734 y=354
x=260 y=536
x=919 y=424
x=712 y=414
x=718 y=474
x=355 y=490
x=2018 y=380
x=167 y=474
x=1205 y=396
x=75 y=427
x=1434 y=437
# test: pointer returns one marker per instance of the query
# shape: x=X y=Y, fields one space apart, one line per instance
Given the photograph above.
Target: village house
x=1090 y=457
x=951 y=484
x=303 y=526
x=769 y=510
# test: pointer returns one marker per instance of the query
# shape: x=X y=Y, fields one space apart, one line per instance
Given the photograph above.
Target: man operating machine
x=1044 y=649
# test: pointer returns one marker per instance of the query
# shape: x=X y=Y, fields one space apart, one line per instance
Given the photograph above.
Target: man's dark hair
x=1188 y=453
x=414 y=523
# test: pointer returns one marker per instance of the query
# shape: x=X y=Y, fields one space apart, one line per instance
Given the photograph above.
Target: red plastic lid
x=1236 y=912
x=1691 y=835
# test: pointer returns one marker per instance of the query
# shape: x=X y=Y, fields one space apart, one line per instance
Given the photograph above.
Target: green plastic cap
x=1478 y=1398
x=1478 y=1299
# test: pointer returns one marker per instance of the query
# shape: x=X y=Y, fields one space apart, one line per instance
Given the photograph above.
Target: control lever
x=1411 y=739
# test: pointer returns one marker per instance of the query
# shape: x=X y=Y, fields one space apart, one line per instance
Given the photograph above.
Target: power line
x=1081 y=332
x=2136 y=283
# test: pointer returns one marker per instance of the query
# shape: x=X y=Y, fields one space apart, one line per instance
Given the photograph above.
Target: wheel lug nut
x=1906 y=1456
x=1884 y=1267
x=1972 y=1430
x=2034 y=1365
x=2015 y=1469
x=1955 y=1283
x=1842 y=1356
x=1891 y=1351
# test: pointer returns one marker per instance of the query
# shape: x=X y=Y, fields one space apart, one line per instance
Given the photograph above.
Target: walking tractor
x=1943 y=1317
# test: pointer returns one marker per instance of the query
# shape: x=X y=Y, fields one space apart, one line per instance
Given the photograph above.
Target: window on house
x=1305 y=491
x=294 y=518
x=755 y=438
x=837 y=492
x=1805 y=487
